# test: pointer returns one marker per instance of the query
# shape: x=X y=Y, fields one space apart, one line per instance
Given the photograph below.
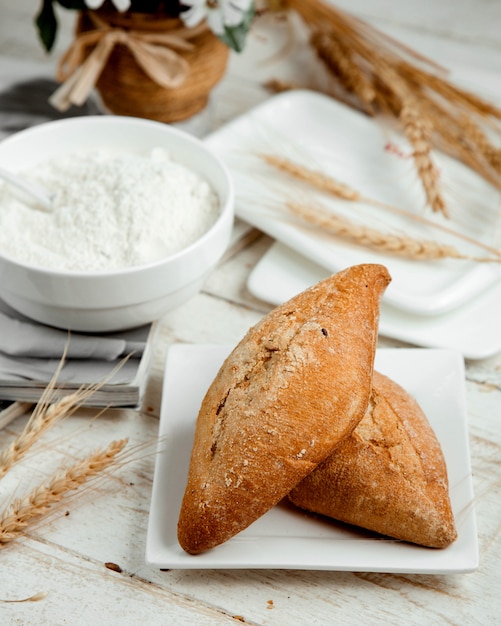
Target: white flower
x=120 y=5
x=219 y=13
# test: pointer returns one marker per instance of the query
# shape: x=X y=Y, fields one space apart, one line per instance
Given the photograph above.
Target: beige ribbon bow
x=155 y=53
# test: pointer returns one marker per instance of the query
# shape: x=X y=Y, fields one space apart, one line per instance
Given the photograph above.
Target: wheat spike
x=404 y=246
x=400 y=76
x=15 y=519
x=450 y=137
x=314 y=178
x=455 y=133
x=452 y=93
x=454 y=119
x=452 y=141
x=339 y=59
x=42 y=419
x=418 y=130
x=476 y=138
x=386 y=99
x=47 y=413
x=324 y=182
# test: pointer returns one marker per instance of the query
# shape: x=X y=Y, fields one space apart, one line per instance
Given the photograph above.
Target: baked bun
x=388 y=476
x=297 y=384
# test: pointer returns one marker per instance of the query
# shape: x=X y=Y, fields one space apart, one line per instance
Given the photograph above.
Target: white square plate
x=285 y=537
x=323 y=134
x=472 y=328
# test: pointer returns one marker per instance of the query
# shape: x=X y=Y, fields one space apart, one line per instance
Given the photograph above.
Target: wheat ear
x=476 y=138
x=418 y=131
x=382 y=65
x=403 y=246
x=15 y=519
x=398 y=80
x=48 y=412
x=315 y=178
x=324 y=182
x=450 y=137
x=447 y=90
x=339 y=60
x=44 y=417
x=457 y=134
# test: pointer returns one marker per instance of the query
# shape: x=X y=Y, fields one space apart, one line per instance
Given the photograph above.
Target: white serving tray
x=472 y=328
x=326 y=135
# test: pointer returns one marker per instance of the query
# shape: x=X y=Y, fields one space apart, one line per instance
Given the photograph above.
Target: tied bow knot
x=156 y=53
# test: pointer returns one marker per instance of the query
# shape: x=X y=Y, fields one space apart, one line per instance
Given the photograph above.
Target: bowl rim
x=226 y=206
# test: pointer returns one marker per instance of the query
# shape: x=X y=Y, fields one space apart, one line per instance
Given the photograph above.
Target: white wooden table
x=64 y=558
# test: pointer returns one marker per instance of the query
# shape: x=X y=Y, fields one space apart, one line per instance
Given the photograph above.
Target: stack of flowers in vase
x=158 y=60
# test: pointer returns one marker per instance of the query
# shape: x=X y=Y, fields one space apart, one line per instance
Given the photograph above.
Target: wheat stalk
x=339 y=59
x=404 y=246
x=319 y=15
x=326 y=183
x=41 y=595
x=375 y=47
x=386 y=99
x=448 y=91
x=476 y=138
x=315 y=178
x=44 y=417
x=47 y=413
x=15 y=519
x=418 y=130
x=464 y=138
x=407 y=86
x=452 y=139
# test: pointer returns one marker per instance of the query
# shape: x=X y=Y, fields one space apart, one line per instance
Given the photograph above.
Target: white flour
x=110 y=211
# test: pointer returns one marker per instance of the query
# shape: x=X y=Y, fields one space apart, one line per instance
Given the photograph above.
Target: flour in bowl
x=111 y=210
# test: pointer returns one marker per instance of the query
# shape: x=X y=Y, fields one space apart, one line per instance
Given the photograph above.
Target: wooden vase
x=126 y=89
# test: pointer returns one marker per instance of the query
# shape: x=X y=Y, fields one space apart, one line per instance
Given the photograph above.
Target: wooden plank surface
x=64 y=557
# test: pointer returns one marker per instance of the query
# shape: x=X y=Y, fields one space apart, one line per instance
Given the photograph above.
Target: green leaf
x=46 y=23
x=235 y=36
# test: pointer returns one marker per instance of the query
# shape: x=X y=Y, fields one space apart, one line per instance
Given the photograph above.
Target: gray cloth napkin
x=32 y=352
x=73 y=372
x=20 y=338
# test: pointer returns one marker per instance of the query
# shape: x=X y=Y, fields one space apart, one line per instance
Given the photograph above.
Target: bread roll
x=296 y=384
x=388 y=476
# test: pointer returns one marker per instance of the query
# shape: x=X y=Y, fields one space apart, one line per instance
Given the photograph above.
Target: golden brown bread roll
x=388 y=476
x=296 y=384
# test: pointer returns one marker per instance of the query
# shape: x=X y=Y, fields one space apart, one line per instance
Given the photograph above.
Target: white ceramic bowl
x=132 y=296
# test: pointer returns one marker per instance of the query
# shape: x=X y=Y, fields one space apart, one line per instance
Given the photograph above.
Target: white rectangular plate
x=286 y=538
x=325 y=135
x=472 y=328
